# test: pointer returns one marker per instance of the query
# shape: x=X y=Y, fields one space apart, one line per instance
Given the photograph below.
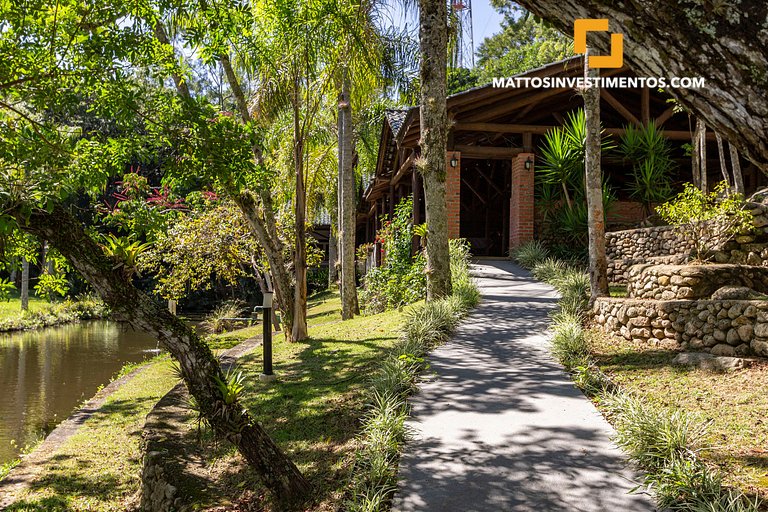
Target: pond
x=46 y=374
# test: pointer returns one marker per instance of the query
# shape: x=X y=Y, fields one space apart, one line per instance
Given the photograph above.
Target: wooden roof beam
x=404 y=168
x=487 y=151
x=619 y=107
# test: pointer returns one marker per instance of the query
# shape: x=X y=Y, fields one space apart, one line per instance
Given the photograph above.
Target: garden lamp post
x=267 y=375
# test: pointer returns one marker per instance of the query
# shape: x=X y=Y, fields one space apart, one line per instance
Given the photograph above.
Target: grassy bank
x=43 y=314
x=313 y=411
x=698 y=436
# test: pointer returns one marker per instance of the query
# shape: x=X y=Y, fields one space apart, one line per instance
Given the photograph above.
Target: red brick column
x=453 y=193
x=521 y=204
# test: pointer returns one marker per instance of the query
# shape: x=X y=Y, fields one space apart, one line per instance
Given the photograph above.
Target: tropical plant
x=125 y=252
x=649 y=151
x=708 y=219
x=561 y=181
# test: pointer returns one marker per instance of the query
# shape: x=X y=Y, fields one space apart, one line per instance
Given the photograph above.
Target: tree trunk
x=300 y=331
x=433 y=42
x=723 y=42
x=199 y=368
x=738 y=177
x=333 y=256
x=723 y=166
x=696 y=155
x=700 y=152
x=598 y=267
x=349 y=306
x=24 y=284
x=701 y=128
x=273 y=249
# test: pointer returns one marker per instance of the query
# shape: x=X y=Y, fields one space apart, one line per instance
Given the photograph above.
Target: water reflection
x=45 y=374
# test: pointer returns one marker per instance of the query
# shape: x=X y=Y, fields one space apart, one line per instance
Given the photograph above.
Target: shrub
x=529 y=254
x=710 y=219
x=401 y=279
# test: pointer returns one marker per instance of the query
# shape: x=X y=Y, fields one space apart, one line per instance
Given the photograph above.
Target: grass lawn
x=312 y=411
x=735 y=404
x=12 y=308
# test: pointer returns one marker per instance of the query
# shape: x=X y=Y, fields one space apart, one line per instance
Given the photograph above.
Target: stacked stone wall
x=721 y=327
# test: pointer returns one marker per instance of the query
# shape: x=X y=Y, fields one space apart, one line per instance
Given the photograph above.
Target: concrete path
x=501 y=427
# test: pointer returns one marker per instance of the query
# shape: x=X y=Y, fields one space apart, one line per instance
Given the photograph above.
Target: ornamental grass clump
x=529 y=254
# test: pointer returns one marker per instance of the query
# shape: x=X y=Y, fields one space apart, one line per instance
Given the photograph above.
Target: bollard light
x=266 y=342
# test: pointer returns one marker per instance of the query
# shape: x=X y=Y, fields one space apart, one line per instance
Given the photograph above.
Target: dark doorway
x=485 y=192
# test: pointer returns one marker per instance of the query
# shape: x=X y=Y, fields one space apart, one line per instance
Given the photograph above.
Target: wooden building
x=492 y=152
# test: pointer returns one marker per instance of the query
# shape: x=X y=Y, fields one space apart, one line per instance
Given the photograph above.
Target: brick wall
x=521 y=207
x=453 y=193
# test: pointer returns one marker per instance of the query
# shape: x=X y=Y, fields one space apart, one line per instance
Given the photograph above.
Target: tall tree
x=598 y=267
x=433 y=42
x=691 y=40
x=50 y=157
x=348 y=201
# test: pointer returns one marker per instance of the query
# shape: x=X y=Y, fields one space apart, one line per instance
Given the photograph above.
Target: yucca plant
x=649 y=151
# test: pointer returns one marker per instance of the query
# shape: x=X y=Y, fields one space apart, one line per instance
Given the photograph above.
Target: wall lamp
x=454 y=161
x=528 y=163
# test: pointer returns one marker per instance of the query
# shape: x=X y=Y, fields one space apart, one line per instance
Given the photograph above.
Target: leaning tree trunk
x=433 y=41
x=738 y=177
x=598 y=267
x=724 y=42
x=349 y=307
x=199 y=368
x=24 y=284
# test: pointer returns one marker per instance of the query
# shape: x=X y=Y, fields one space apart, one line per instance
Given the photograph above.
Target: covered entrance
x=485 y=196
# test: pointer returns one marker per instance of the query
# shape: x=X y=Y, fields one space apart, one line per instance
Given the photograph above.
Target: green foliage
x=231 y=386
x=650 y=153
x=6 y=287
x=50 y=285
x=125 y=252
x=663 y=444
x=524 y=43
x=547 y=270
x=401 y=279
x=84 y=307
x=560 y=184
x=709 y=219
x=529 y=254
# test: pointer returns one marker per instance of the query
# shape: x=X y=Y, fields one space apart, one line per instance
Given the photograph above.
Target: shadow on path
x=500 y=426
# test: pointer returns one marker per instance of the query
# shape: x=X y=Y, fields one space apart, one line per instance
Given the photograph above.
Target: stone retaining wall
x=668 y=282
x=722 y=327
x=644 y=243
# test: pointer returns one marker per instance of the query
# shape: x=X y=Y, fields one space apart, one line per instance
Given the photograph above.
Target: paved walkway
x=501 y=427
